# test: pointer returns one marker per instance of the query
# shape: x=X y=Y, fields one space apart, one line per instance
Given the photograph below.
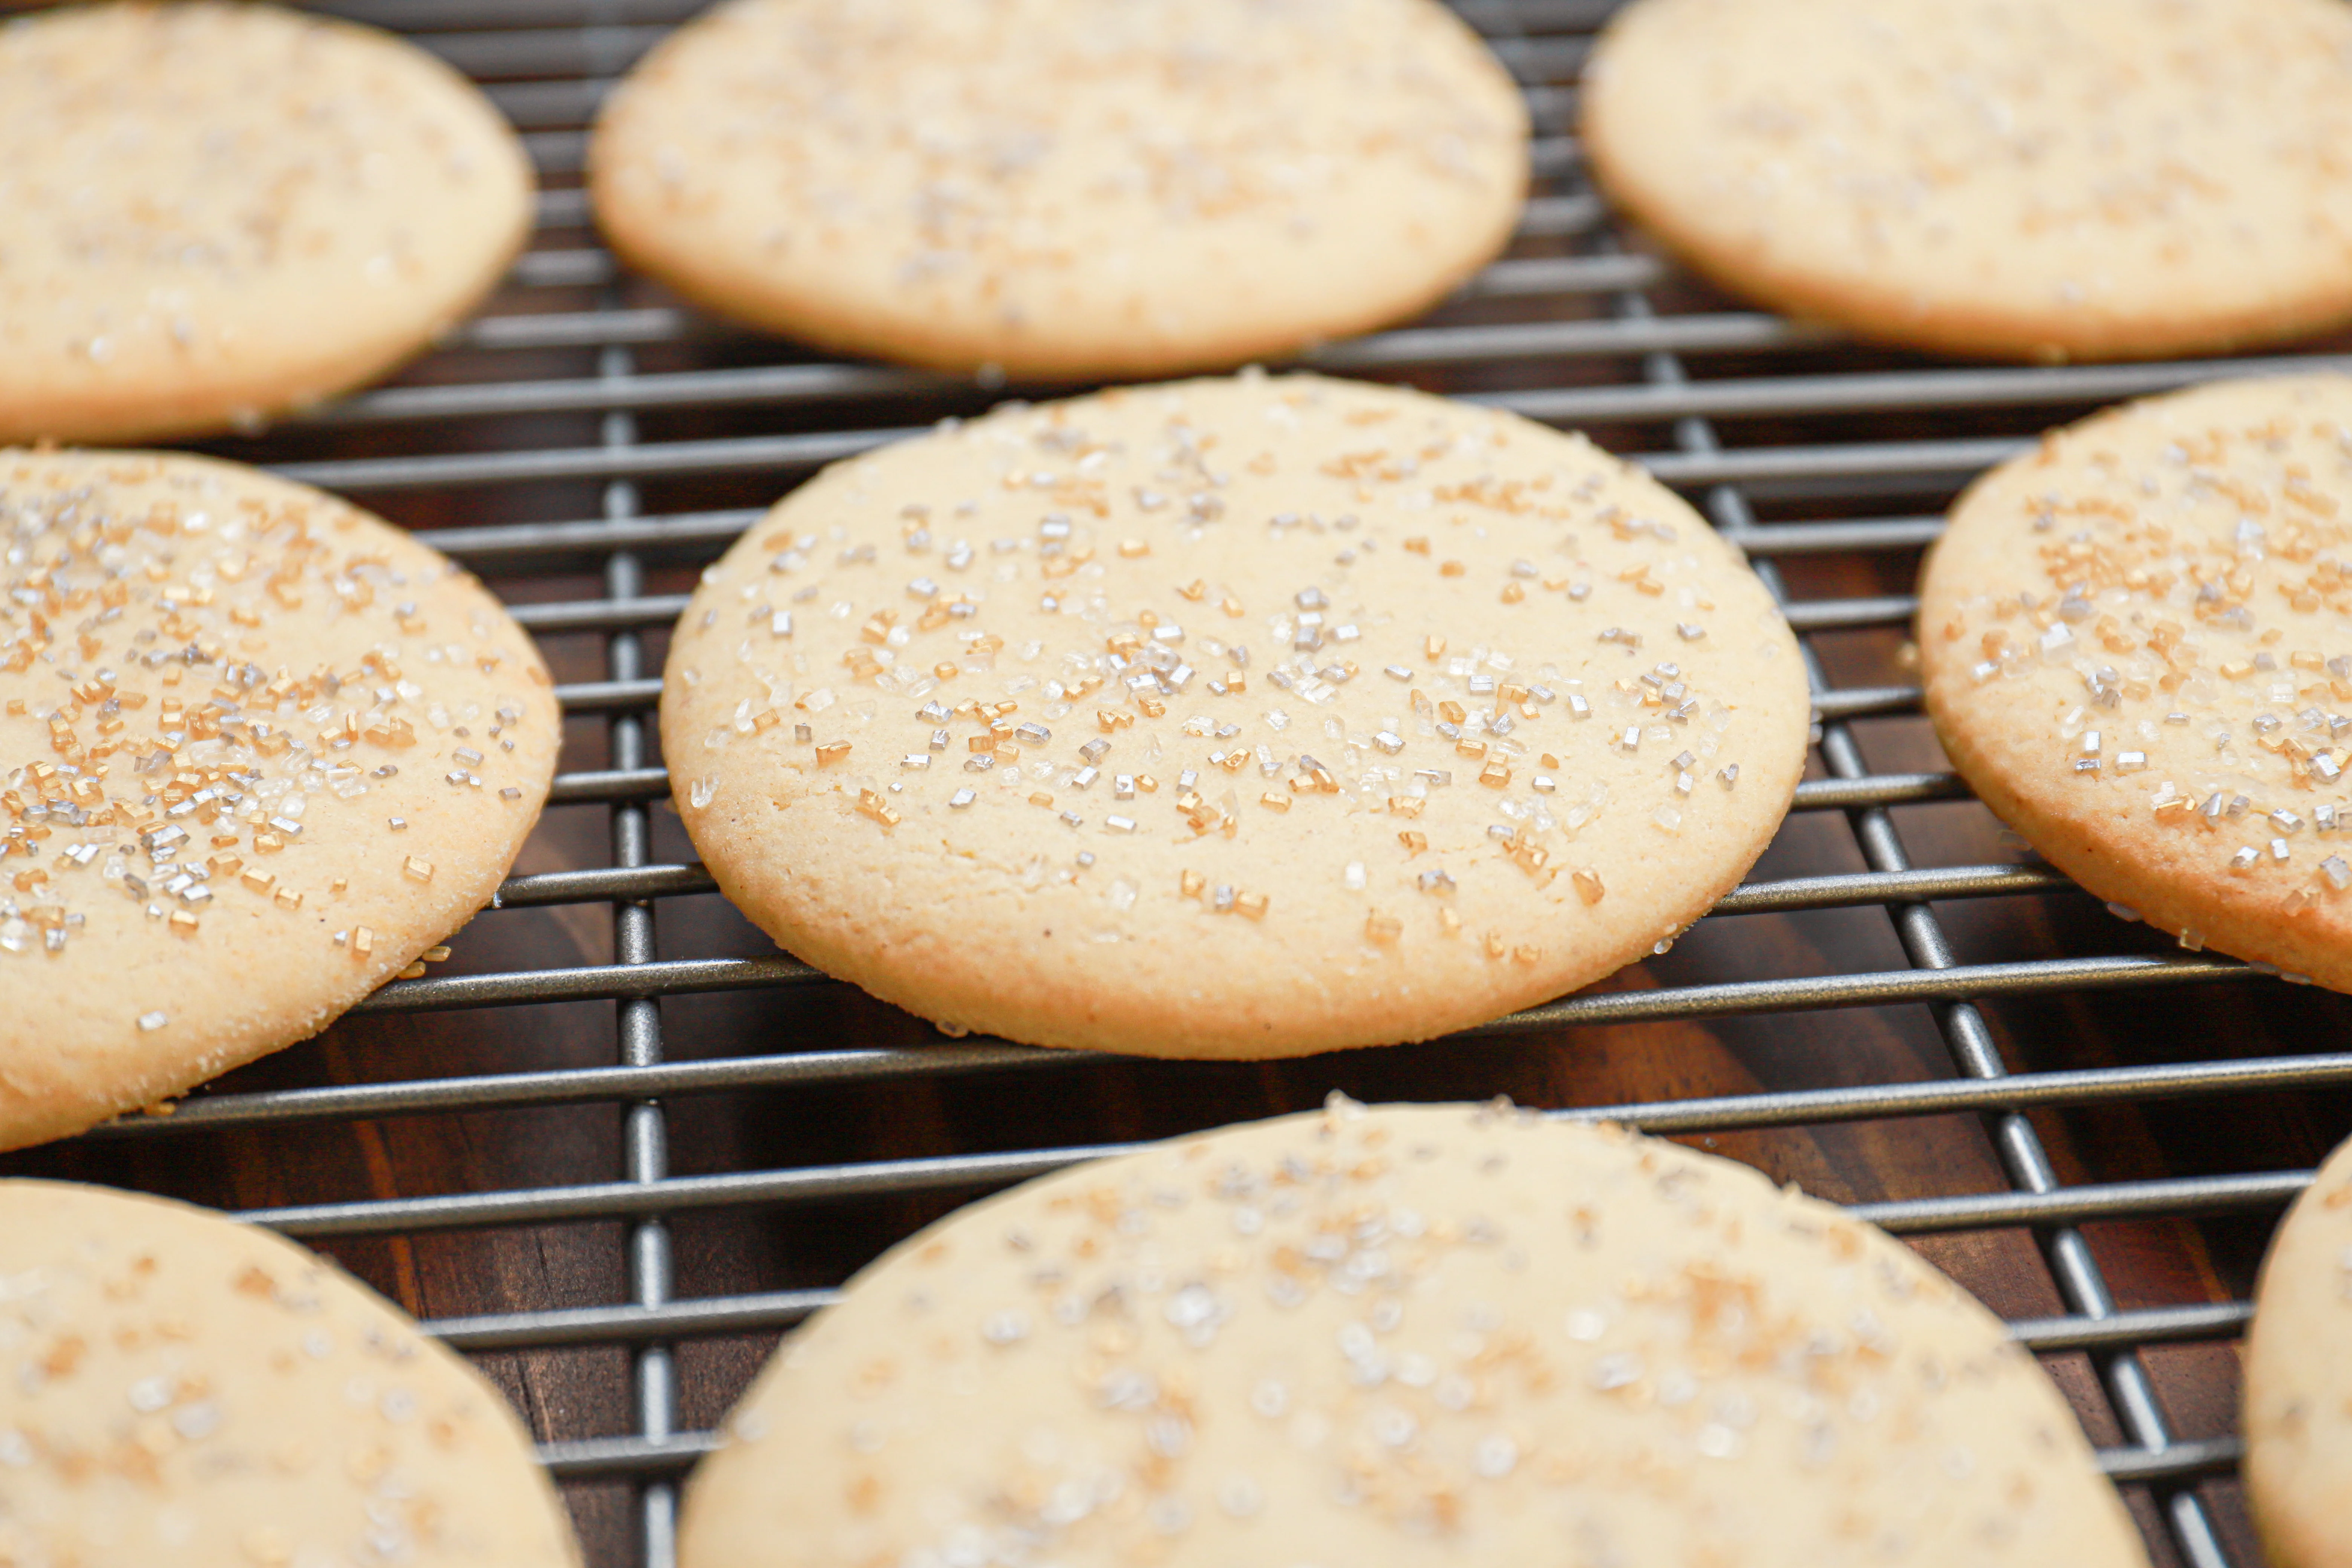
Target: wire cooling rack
x=620 y=1141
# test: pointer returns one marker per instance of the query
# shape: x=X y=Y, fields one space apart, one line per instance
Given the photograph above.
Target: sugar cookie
x=1239 y=718
x=2298 y=1395
x=1409 y=1335
x=217 y=213
x=2137 y=651
x=261 y=749
x=1060 y=187
x=175 y=1387
x=2045 y=179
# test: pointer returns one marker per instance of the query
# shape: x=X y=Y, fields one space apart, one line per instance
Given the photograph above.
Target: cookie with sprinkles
x=2138 y=647
x=220 y=213
x=1060 y=187
x=2298 y=1393
x=261 y=750
x=176 y=1387
x=1409 y=1335
x=2028 y=179
x=1232 y=718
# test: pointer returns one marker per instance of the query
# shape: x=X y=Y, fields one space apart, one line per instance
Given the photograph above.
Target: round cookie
x=175 y=1387
x=261 y=750
x=2043 y=179
x=1239 y=718
x=2137 y=646
x=217 y=213
x=1060 y=187
x=2299 y=1393
x=1409 y=1335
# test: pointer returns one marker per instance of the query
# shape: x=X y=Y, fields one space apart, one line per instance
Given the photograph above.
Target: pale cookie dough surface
x=217 y=213
x=1409 y=1335
x=2047 y=179
x=2137 y=644
x=1240 y=718
x=219 y=692
x=2299 y=1393
x=175 y=1387
x=1062 y=188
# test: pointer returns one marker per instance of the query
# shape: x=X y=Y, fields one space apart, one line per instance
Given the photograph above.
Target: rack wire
x=691 y=1138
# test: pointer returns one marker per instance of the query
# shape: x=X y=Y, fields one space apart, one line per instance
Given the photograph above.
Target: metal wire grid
x=1569 y=324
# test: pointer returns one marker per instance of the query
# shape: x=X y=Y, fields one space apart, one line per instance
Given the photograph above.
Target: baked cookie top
x=220 y=212
x=2299 y=1393
x=261 y=750
x=2137 y=644
x=1408 y=1335
x=2045 y=179
x=175 y=1387
x=1235 y=718
x=1060 y=187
